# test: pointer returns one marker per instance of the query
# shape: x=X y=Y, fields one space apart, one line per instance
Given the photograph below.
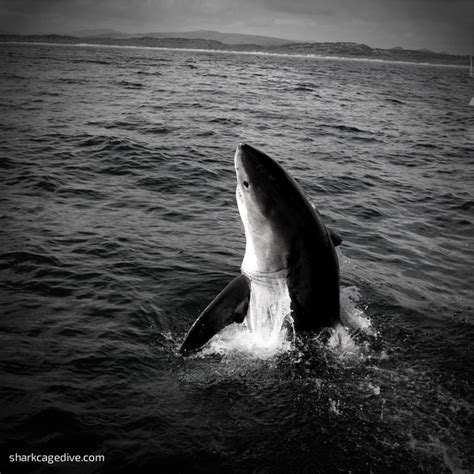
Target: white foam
x=268 y=327
x=237 y=340
x=270 y=306
x=341 y=341
x=351 y=315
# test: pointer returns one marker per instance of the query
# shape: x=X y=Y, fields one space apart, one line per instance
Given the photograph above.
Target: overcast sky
x=440 y=25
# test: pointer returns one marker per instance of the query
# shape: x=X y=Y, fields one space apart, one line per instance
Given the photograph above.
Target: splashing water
x=353 y=319
x=268 y=327
x=269 y=308
x=351 y=316
x=238 y=341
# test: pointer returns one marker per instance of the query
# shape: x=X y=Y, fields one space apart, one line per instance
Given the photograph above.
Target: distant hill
x=103 y=32
x=226 y=38
x=339 y=49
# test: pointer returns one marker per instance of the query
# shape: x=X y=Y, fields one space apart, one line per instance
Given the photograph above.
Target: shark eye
x=246 y=184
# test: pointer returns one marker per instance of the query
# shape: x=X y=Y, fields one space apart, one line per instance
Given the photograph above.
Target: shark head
x=270 y=205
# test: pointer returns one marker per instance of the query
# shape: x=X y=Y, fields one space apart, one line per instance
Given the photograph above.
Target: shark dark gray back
x=284 y=235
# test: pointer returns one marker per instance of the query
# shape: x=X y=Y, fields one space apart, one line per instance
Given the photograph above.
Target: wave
x=12 y=258
x=90 y=61
x=130 y=84
x=104 y=143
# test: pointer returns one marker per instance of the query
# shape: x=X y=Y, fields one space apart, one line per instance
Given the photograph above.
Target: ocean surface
x=119 y=225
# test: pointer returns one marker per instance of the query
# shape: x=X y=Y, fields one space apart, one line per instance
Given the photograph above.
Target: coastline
x=336 y=51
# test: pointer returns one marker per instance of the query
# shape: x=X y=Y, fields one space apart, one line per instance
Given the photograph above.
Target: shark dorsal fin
x=335 y=237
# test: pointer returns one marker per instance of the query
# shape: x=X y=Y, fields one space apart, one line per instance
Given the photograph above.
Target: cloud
x=59 y=15
x=437 y=24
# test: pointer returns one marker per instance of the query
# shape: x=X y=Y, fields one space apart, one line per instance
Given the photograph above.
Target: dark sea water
x=119 y=225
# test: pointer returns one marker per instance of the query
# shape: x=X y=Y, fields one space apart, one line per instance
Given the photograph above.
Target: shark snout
x=240 y=163
x=239 y=154
x=252 y=165
x=246 y=158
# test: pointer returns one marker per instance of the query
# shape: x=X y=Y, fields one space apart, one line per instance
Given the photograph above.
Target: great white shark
x=285 y=239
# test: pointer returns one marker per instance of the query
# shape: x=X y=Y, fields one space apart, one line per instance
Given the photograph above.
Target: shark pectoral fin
x=229 y=306
x=335 y=237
